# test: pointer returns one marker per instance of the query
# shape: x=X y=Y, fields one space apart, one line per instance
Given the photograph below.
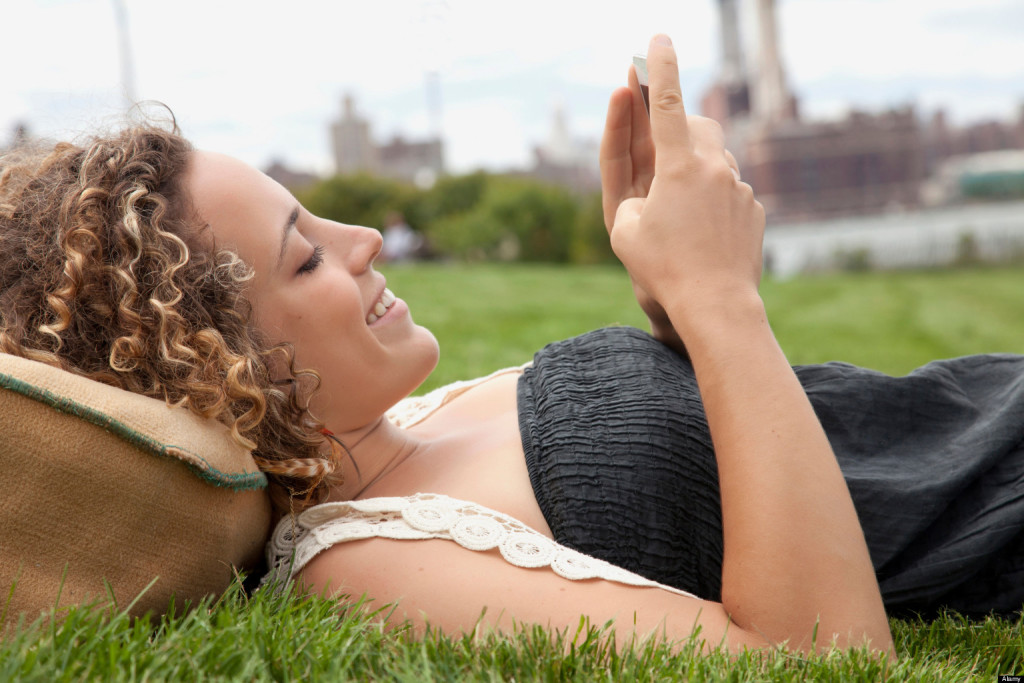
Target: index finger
x=615 y=159
x=668 y=116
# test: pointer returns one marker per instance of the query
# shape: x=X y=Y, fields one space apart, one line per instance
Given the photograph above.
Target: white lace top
x=299 y=538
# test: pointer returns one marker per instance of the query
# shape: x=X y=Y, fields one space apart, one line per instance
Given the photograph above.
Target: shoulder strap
x=298 y=539
x=415 y=409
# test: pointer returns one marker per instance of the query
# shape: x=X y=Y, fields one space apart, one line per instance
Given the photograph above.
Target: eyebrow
x=288 y=227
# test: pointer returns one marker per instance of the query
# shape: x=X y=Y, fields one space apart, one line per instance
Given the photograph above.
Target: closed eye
x=314 y=261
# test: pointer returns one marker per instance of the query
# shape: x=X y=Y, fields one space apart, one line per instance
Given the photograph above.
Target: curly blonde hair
x=105 y=272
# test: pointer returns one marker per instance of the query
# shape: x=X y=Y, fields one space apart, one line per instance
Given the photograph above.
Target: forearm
x=795 y=554
x=794 y=551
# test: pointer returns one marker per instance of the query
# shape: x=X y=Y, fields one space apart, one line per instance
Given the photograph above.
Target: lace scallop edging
x=299 y=538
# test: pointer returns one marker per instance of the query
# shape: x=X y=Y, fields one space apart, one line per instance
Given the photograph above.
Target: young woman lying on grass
x=189 y=276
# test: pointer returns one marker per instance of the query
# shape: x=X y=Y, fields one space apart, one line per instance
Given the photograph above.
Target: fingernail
x=662 y=39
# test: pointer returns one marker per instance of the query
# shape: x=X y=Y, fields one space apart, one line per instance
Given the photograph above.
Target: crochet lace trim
x=415 y=409
x=298 y=539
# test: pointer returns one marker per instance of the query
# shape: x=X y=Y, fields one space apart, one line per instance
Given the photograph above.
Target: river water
x=936 y=237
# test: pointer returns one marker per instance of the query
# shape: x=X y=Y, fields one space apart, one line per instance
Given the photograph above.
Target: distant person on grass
x=400 y=242
x=676 y=481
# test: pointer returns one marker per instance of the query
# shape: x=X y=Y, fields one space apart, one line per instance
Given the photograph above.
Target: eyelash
x=315 y=260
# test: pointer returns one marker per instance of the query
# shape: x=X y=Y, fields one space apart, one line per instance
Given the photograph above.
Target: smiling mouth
x=386 y=301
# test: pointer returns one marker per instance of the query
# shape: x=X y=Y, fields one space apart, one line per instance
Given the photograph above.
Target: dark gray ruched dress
x=621 y=462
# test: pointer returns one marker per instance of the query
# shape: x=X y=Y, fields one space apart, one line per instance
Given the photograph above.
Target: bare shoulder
x=459 y=590
x=483 y=399
x=415 y=410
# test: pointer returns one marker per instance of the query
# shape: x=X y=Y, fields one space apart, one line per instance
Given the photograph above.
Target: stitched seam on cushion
x=198 y=464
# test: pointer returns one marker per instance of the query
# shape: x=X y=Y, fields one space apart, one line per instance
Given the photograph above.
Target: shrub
x=360 y=199
x=476 y=216
x=590 y=242
x=515 y=219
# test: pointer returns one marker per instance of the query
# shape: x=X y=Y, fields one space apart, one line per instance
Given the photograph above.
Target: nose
x=370 y=243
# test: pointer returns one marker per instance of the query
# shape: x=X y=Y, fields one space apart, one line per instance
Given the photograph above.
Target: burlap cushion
x=102 y=487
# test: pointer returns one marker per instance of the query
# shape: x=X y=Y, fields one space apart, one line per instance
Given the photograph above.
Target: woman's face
x=315 y=286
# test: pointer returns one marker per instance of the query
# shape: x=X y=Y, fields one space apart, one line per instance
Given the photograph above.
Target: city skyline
x=264 y=86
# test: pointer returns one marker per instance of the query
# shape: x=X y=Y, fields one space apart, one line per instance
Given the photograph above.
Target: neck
x=375 y=451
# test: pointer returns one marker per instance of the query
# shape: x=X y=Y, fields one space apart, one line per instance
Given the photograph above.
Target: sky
x=262 y=80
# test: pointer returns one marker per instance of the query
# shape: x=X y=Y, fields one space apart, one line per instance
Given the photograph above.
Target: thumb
x=627 y=218
x=629 y=211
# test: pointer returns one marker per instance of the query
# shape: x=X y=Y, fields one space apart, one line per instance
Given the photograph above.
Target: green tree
x=590 y=242
x=476 y=217
x=359 y=199
x=515 y=219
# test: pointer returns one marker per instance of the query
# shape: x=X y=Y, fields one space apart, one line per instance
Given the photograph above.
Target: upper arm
x=457 y=590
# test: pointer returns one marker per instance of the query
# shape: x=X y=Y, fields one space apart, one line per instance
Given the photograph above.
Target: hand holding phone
x=696 y=231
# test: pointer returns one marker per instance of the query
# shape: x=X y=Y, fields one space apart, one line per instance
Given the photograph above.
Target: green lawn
x=488 y=317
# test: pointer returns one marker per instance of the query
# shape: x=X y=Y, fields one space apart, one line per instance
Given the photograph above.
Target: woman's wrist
x=707 y=320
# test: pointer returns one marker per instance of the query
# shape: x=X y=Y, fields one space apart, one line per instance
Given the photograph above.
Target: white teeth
x=387 y=298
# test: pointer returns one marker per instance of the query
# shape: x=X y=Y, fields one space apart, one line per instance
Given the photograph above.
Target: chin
x=431 y=353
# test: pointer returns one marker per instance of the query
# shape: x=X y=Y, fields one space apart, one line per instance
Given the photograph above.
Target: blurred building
x=728 y=98
x=565 y=160
x=19 y=136
x=419 y=161
x=864 y=163
x=979 y=176
x=292 y=179
x=981 y=161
